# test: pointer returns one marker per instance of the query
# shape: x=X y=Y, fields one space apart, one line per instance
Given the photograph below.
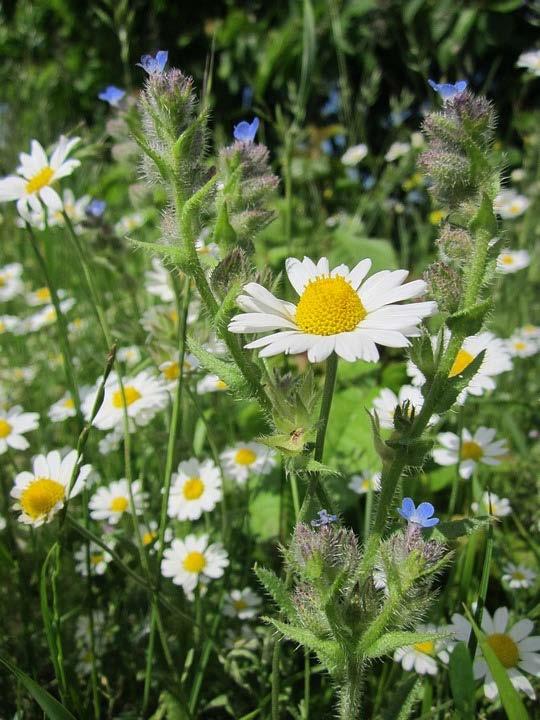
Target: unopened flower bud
x=444 y=285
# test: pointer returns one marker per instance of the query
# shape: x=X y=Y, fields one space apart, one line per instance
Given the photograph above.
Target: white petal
x=11 y=188
x=51 y=198
x=259 y=322
x=321 y=349
x=500 y=619
x=521 y=630
x=359 y=272
x=300 y=272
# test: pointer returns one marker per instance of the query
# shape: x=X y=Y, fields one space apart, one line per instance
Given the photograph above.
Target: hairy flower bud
x=455 y=246
x=444 y=285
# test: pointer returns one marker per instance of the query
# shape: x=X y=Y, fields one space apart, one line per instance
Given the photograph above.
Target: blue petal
x=407 y=508
x=430 y=522
x=425 y=510
x=434 y=85
x=461 y=85
x=161 y=58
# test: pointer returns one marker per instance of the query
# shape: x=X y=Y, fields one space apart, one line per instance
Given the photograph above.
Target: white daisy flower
x=192 y=561
x=11 y=283
x=530 y=60
x=242 y=604
x=354 y=154
x=493 y=505
x=13 y=424
x=35 y=175
x=45 y=317
x=244 y=639
x=511 y=261
x=83 y=638
x=513 y=645
x=145 y=395
x=366 y=481
x=496 y=361
x=215 y=345
x=336 y=311
x=77 y=326
x=204 y=249
x=23 y=374
x=99 y=559
x=521 y=346
x=158 y=318
x=111 y=442
x=397 y=150
x=478 y=448
x=129 y=223
x=518 y=576
x=110 y=502
x=74 y=208
x=509 y=204
x=387 y=401
x=42 y=296
x=130 y=355
x=158 y=281
x=195 y=488
x=531 y=332
x=246 y=459
x=8 y=323
x=421 y=657
x=211 y=383
x=41 y=493
x=170 y=369
x=150 y=533
x=62 y=409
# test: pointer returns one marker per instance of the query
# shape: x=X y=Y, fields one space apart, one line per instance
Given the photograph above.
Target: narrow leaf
x=462 y=682
x=393 y=640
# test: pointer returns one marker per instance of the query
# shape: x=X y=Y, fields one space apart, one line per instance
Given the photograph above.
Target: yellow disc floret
x=504 y=648
x=41 y=496
x=428 y=647
x=5 y=428
x=39 y=180
x=193 y=488
x=471 y=450
x=119 y=504
x=172 y=371
x=245 y=456
x=329 y=306
x=131 y=393
x=463 y=360
x=194 y=562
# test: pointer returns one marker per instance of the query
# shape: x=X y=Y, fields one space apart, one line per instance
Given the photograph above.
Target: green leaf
x=457 y=528
x=403 y=700
x=454 y=385
x=511 y=702
x=462 y=682
x=277 y=589
x=393 y=640
x=412 y=451
x=50 y=705
x=173 y=253
x=226 y=371
x=264 y=515
x=485 y=219
x=470 y=320
x=328 y=651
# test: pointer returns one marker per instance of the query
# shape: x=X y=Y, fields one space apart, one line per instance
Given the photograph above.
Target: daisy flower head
x=98 y=559
x=509 y=204
x=244 y=639
x=150 y=533
x=519 y=345
x=473 y=449
x=246 y=459
x=210 y=384
x=111 y=502
x=354 y=154
x=43 y=491
x=336 y=312
x=366 y=481
x=14 y=423
x=11 y=283
x=129 y=223
x=242 y=604
x=130 y=355
x=511 y=261
x=42 y=296
x=518 y=576
x=158 y=281
x=493 y=505
x=387 y=401
x=46 y=316
x=397 y=150
x=421 y=515
x=196 y=488
x=530 y=60
x=170 y=369
x=194 y=560
x=32 y=183
x=62 y=409
x=422 y=657
x=516 y=649
x=144 y=396
x=8 y=323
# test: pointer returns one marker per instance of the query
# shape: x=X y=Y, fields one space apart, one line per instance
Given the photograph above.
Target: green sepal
x=413 y=451
x=385 y=452
x=192 y=207
x=469 y=320
x=454 y=385
x=328 y=651
x=289 y=443
x=226 y=371
x=173 y=253
x=224 y=234
x=457 y=528
x=485 y=220
x=277 y=589
x=391 y=641
x=421 y=354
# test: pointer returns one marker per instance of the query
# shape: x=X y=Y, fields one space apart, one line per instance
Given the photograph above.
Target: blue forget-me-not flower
x=245 y=132
x=421 y=515
x=154 y=65
x=324 y=519
x=95 y=208
x=112 y=95
x=448 y=91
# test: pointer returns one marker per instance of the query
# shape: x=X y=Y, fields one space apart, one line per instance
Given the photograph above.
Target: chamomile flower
x=336 y=311
x=242 y=604
x=111 y=502
x=98 y=559
x=354 y=154
x=511 y=261
x=422 y=657
x=75 y=209
x=158 y=281
x=210 y=384
x=46 y=316
x=473 y=449
x=150 y=533
x=513 y=645
x=397 y=150
x=8 y=323
x=194 y=560
x=145 y=395
x=42 y=492
x=493 y=505
x=521 y=346
x=62 y=409
x=14 y=423
x=530 y=60
x=195 y=488
x=83 y=638
x=509 y=204
x=496 y=360
x=170 y=369
x=130 y=355
x=244 y=639
x=246 y=459
x=518 y=576
x=387 y=401
x=11 y=283
x=36 y=174
x=531 y=332
x=366 y=481
x=42 y=296
x=129 y=223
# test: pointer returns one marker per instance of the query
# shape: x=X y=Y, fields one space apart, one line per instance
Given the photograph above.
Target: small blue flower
x=247 y=97
x=448 y=91
x=154 y=65
x=245 y=132
x=333 y=104
x=95 y=208
x=112 y=95
x=324 y=519
x=420 y=515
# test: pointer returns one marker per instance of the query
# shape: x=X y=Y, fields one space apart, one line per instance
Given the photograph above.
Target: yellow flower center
x=221 y=385
x=428 y=647
x=68 y=404
x=471 y=450
x=463 y=360
x=245 y=456
x=149 y=537
x=515 y=208
x=2 y=326
x=43 y=294
x=131 y=393
x=519 y=345
x=193 y=488
x=518 y=575
x=39 y=180
x=41 y=496
x=504 y=648
x=119 y=504
x=507 y=259
x=436 y=216
x=2 y=281
x=194 y=562
x=240 y=605
x=172 y=371
x=329 y=306
x=96 y=558
x=5 y=428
